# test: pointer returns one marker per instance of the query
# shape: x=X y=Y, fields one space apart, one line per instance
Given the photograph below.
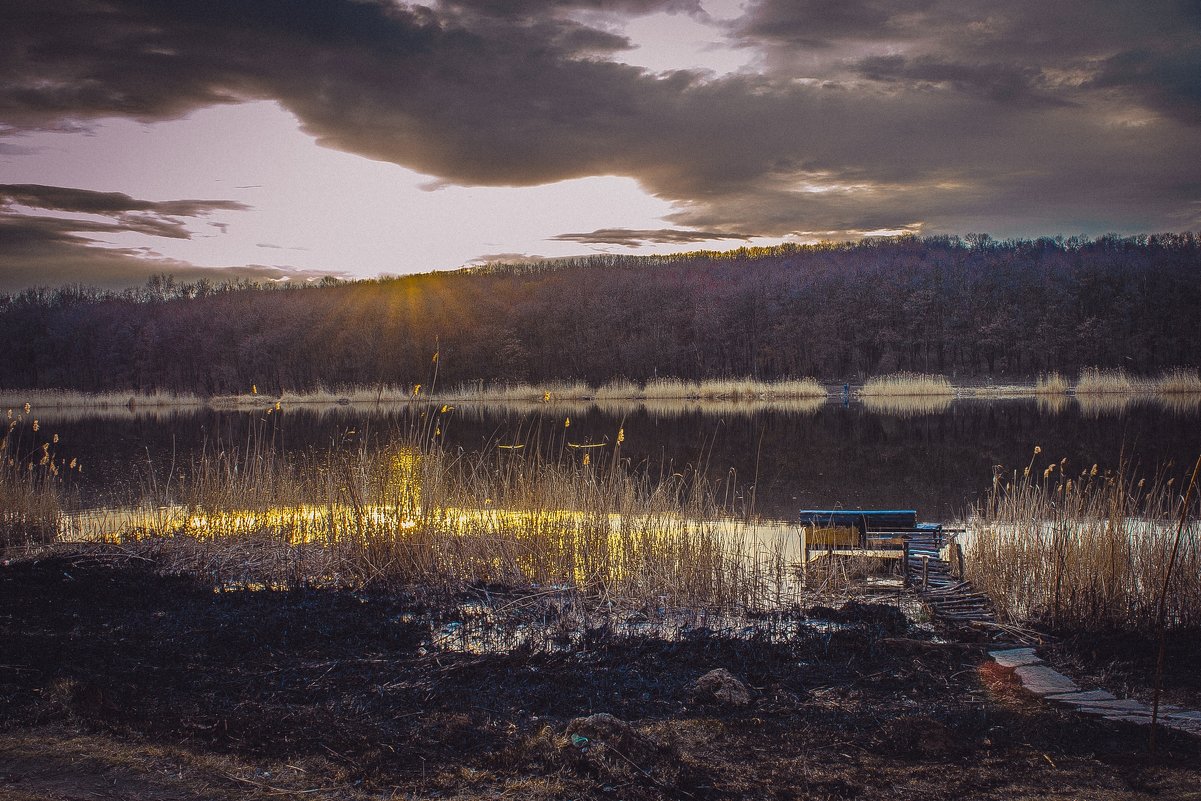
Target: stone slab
x=1116 y=714
x=1186 y=714
x=1083 y=696
x=1189 y=726
x=1142 y=720
x=1119 y=705
x=1042 y=680
x=1015 y=657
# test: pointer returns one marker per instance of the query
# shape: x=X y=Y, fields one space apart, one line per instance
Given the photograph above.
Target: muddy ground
x=120 y=683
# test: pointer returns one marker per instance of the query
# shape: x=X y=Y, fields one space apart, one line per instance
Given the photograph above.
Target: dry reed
x=1084 y=550
x=1051 y=384
x=1179 y=382
x=1093 y=381
x=30 y=496
x=907 y=384
x=421 y=516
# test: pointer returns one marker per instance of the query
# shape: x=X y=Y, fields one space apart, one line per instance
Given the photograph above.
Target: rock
x=720 y=687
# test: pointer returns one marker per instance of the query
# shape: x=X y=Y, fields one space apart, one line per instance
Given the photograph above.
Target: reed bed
x=1179 y=382
x=1085 y=551
x=907 y=384
x=1051 y=384
x=44 y=399
x=30 y=495
x=1106 y=382
x=421 y=516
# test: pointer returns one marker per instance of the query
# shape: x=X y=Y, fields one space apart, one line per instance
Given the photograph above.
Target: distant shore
x=901 y=390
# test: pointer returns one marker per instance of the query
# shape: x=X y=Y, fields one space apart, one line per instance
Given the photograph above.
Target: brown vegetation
x=1085 y=550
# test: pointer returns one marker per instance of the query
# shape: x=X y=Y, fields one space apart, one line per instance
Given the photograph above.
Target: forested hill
x=966 y=307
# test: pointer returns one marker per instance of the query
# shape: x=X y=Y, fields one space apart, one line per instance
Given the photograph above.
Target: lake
x=938 y=457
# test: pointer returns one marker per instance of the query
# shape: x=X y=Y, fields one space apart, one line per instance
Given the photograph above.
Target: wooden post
x=925 y=573
x=959 y=559
x=804 y=556
x=905 y=561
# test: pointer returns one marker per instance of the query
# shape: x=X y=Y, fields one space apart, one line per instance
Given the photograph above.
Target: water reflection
x=907 y=405
x=774 y=458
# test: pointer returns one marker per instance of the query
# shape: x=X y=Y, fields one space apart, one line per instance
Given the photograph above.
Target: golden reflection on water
x=906 y=405
x=548 y=545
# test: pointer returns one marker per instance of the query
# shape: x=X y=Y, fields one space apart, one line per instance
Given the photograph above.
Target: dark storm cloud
x=48 y=250
x=633 y=237
x=87 y=201
x=508 y=9
x=867 y=114
x=1170 y=81
x=139 y=216
x=1006 y=83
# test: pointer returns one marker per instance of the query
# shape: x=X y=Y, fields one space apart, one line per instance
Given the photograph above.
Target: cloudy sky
x=277 y=138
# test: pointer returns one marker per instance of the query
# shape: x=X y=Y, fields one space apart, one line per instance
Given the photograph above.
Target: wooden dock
x=940 y=584
x=932 y=561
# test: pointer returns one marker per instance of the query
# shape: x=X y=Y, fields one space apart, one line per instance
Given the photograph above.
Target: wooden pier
x=931 y=559
x=934 y=569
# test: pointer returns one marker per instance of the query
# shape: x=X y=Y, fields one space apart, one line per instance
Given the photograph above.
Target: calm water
x=938 y=461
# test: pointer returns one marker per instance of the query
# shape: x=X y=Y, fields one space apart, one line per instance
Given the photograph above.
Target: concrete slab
x=1042 y=680
x=1083 y=696
x=1015 y=657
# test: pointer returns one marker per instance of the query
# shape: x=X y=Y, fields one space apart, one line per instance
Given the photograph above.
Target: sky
x=294 y=139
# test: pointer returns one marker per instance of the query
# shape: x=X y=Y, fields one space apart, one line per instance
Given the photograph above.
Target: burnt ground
x=117 y=682
x=1124 y=663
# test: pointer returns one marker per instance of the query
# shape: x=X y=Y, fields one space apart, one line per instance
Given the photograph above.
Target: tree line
x=965 y=307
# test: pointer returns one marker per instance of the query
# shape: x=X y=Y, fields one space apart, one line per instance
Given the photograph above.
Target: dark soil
x=118 y=682
x=1124 y=663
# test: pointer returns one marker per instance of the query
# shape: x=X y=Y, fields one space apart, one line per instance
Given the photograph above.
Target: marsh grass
x=31 y=494
x=1093 y=381
x=907 y=385
x=1086 y=550
x=1179 y=381
x=41 y=399
x=1051 y=384
x=419 y=515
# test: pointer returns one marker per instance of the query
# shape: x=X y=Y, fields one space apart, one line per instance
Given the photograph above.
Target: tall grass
x=422 y=516
x=1179 y=382
x=907 y=384
x=31 y=496
x=1085 y=550
x=1093 y=381
x=1051 y=384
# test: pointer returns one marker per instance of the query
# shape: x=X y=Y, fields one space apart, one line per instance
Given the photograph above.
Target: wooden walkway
x=950 y=599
